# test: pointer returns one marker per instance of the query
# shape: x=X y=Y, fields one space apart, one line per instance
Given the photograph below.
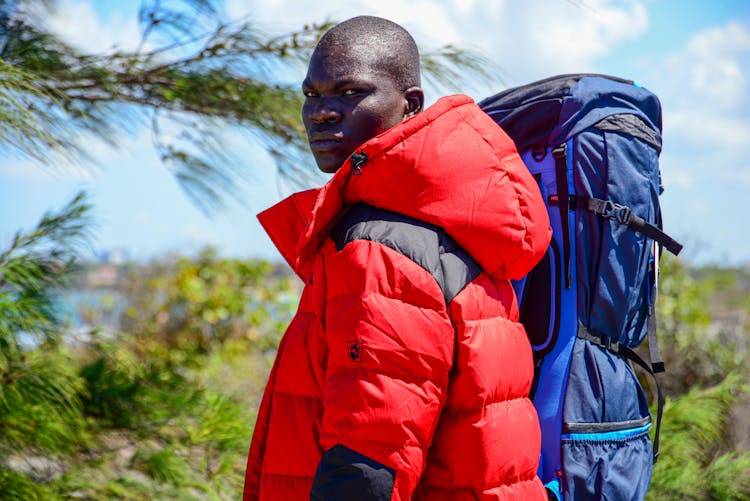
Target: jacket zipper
x=357 y=160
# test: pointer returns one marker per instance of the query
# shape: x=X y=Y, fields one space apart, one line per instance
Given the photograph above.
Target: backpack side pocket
x=606 y=452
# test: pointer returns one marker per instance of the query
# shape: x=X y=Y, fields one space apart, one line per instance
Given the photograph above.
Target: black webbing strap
x=619 y=349
x=561 y=179
x=623 y=215
x=657 y=363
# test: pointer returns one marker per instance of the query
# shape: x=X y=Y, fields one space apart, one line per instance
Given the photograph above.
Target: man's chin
x=327 y=164
x=328 y=170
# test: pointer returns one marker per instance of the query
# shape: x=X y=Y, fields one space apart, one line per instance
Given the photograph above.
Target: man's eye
x=351 y=92
x=309 y=93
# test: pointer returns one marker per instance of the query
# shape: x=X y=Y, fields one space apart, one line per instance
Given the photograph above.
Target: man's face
x=347 y=102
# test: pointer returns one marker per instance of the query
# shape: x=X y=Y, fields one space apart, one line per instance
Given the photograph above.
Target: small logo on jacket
x=355 y=350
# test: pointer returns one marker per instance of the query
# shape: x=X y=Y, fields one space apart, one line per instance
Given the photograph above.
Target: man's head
x=363 y=79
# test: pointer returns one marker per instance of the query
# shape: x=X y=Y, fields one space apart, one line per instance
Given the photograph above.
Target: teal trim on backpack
x=610 y=435
x=553 y=488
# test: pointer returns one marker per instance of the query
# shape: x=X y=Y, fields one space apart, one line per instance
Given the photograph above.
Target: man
x=404 y=373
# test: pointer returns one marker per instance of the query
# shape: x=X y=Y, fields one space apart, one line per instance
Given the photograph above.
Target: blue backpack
x=592 y=142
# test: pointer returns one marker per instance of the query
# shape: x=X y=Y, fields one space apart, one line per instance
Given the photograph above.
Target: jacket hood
x=451 y=166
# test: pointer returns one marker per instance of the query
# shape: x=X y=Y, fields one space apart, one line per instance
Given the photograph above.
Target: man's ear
x=414 y=97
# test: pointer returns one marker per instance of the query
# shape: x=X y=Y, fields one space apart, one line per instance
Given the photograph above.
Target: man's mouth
x=324 y=141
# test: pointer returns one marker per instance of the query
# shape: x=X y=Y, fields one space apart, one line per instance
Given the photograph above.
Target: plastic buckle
x=620 y=213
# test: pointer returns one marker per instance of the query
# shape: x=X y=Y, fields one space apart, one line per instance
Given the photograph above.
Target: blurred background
x=140 y=302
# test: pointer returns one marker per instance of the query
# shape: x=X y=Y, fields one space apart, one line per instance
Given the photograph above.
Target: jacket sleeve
x=390 y=349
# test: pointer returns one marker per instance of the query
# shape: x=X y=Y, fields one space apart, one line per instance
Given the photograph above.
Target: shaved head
x=363 y=79
x=386 y=44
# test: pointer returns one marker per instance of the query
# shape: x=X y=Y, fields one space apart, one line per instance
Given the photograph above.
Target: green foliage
x=23 y=127
x=696 y=462
x=17 y=487
x=193 y=304
x=126 y=389
x=730 y=477
x=31 y=268
x=163 y=465
x=179 y=377
x=40 y=407
x=188 y=441
x=39 y=390
x=697 y=349
x=136 y=414
x=702 y=455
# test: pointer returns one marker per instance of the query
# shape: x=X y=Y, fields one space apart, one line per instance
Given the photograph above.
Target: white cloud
x=424 y=18
x=560 y=37
x=78 y=23
x=717 y=63
x=467 y=6
x=676 y=179
x=705 y=89
x=531 y=40
x=528 y=40
x=432 y=19
x=712 y=128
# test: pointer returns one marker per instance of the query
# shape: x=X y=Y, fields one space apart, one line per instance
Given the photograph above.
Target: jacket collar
x=451 y=166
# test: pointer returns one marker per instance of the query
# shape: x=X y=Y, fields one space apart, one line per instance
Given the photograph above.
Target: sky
x=695 y=55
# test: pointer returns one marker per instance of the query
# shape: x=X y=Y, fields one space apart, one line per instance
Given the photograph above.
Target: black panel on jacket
x=425 y=244
x=346 y=475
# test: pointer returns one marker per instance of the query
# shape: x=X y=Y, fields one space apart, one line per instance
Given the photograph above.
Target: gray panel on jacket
x=425 y=244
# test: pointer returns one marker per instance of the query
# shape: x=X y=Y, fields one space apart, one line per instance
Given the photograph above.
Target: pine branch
x=191 y=61
x=32 y=267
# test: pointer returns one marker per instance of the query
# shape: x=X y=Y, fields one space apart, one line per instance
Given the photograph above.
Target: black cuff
x=344 y=474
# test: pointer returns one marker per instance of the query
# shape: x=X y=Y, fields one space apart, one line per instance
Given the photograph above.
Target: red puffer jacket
x=405 y=374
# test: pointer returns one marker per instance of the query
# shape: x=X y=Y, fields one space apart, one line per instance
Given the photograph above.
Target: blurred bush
x=703 y=326
x=156 y=399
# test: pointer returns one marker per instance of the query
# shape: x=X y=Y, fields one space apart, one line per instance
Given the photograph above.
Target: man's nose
x=325 y=111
